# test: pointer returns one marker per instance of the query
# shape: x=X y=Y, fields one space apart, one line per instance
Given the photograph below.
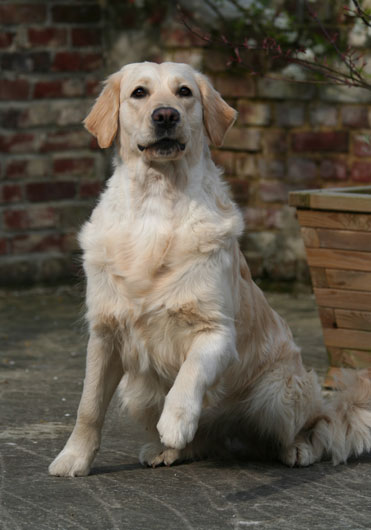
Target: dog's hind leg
x=285 y=405
x=103 y=373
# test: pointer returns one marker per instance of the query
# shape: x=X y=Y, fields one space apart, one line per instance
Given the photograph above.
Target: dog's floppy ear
x=102 y=121
x=218 y=115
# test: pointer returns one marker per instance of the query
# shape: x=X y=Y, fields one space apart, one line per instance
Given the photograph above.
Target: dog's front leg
x=209 y=356
x=103 y=373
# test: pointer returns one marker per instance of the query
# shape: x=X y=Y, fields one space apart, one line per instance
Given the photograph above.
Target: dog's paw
x=153 y=455
x=299 y=454
x=177 y=425
x=70 y=464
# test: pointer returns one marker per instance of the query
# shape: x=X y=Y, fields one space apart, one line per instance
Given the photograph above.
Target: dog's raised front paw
x=70 y=464
x=177 y=425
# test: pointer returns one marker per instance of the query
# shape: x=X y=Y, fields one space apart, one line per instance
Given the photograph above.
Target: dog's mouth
x=164 y=147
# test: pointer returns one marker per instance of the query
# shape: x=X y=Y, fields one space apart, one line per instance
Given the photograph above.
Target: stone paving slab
x=42 y=357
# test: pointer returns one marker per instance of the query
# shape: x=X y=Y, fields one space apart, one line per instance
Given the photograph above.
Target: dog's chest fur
x=146 y=259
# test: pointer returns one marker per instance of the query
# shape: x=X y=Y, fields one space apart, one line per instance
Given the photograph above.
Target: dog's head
x=158 y=111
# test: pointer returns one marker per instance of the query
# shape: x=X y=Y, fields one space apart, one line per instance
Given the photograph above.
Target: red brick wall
x=288 y=136
x=50 y=170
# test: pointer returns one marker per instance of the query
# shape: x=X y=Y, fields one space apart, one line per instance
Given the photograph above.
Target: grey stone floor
x=42 y=343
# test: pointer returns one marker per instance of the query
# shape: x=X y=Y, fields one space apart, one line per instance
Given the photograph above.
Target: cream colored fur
x=175 y=320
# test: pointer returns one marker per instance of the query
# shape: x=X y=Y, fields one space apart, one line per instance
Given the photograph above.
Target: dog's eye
x=184 y=92
x=139 y=92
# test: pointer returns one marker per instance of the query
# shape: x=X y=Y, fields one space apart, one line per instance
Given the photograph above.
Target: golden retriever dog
x=175 y=320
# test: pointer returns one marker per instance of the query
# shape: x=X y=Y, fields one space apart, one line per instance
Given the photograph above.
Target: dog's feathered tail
x=345 y=429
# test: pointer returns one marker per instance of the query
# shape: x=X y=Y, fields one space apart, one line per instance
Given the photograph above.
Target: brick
x=86 y=37
x=250 y=113
x=355 y=116
x=41 y=113
x=50 y=37
x=361 y=172
x=273 y=191
x=35 y=217
x=322 y=114
x=10 y=117
x=73 y=113
x=240 y=189
x=37 y=113
x=90 y=189
x=26 y=62
x=362 y=145
x=273 y=219
x=49 y=191
x=16 y=219
x=48 y=89
x=245 y=165
x=74 y=166
x=70 y=243
x=22 y=13
x=14 y=89
x=254 y=218
x=76 y=14
x=272 y=168
x=289 y=114
x=43 y=217
x=36 y=242
x=73 y=87
x=18 y=143
x=93 y=87
x=275 y=141
x=27 y=168
x=59 y=88
x=301 y=171
x=245 y=139
x=6 y=39
x=3 y=246
x=10 y=193
x=77 y=62
x=345 y=94
x=65 y=139
x=225 y=160
x=333 y=169
x=235 y=87
x=277 y=89
x=72 y=216
x=332 y=141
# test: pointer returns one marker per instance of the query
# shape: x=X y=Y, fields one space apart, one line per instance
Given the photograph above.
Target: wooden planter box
x=336 y=228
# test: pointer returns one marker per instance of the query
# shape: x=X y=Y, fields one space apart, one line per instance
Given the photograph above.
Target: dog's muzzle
x=165 y=121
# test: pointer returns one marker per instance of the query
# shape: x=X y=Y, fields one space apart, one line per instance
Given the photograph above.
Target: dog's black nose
x=165 y=117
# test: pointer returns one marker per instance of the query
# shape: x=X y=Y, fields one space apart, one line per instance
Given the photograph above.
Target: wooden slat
x=319 y=277
x=353 y=280
x=347 y=338
x=340 y=239
x=353 y=319
x=339 y=259
x=327 y=317
x=310 y=237
x=343 y=299
x=337 y=220
x=349 y=358
x=341 y=201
